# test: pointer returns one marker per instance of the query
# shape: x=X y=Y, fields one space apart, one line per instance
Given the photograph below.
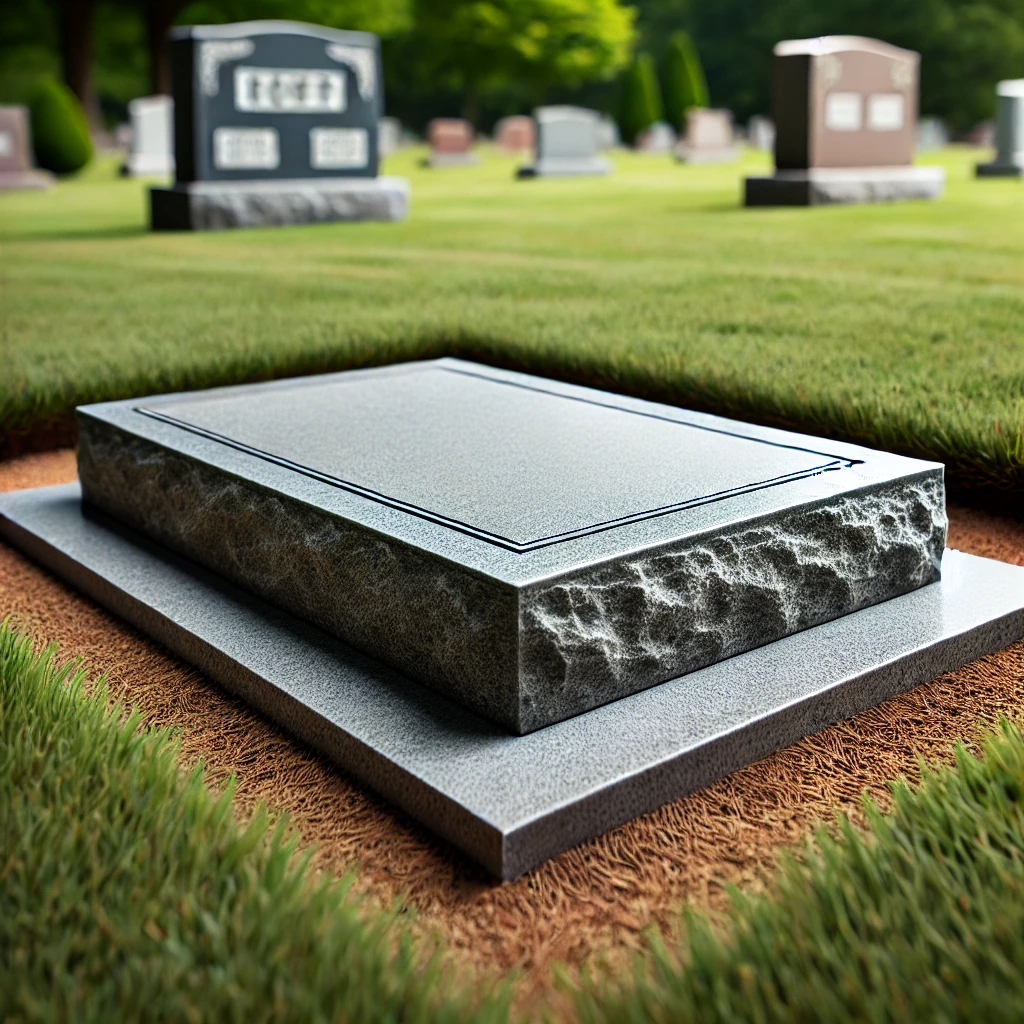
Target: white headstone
x=761 y=133
x=568 y=143
x=608 y=133
x=931 y=134
x=152 y=137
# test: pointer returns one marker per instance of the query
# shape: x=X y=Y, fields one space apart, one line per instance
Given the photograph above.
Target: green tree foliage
x=685 y=85
x=60 y=134
x=640 y=100
x=476 y=47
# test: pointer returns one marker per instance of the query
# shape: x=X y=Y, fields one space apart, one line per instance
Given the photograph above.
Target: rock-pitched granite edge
x=613 y=629
x=450 y=628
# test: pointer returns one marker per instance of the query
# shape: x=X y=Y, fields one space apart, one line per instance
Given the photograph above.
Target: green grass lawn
x=898 y=326
x=129 y=892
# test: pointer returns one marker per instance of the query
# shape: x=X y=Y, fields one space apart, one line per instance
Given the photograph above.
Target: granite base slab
x=511 y=802
x=565 y=167
x=827 y=185
x=529 y=548
x=216 y=205
x=996 y=170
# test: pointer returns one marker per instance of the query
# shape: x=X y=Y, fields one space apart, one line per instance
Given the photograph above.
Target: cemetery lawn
x=130 y=891
x=897 y=326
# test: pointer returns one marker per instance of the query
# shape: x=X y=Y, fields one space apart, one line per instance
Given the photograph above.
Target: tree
x=685 y=85
x=640 y=102
x=476 y=46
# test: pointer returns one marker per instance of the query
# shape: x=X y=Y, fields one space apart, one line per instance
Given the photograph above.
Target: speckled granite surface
x=430 y=552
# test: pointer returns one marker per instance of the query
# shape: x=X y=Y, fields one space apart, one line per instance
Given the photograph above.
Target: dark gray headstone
x=531 y=549
x=275 y=123
x=1009 y=133
x=272 y=100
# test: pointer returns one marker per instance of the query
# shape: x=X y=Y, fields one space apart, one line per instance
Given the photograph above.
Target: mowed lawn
x=895 y=325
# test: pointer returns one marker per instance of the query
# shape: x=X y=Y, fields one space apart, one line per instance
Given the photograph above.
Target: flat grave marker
x=570 y=606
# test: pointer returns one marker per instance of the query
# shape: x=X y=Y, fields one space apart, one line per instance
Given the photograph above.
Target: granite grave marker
x=152 y=137
x=275 y=122
x=568 y=144
x=598 y=602
x=657 y=139
x=16 y=168
x=708 y=138
x=451 y=143
x=515 y=135
x=845 y=113
x=1009 y=133
x=761 y=133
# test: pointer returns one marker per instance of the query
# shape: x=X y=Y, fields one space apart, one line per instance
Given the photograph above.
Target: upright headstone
x=451 y=143
x=568 y=144
x=658 y=139
x=1009 y=135
x=275 y=122
x=515 y=136
x=152 y=137
x=931 y=134
x=708 y=138
x=845 y=112
x=389 y=135
x=761 y=133
x=16 y=170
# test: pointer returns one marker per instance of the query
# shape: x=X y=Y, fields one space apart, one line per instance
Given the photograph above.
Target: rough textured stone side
x=637 y=621
x=450 y=629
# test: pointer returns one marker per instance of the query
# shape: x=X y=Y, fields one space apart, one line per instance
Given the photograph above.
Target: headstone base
x=37 y=180
x=511 y=802
x=140 y=165
x=692 y=155
x=452 y=160
x=997 y=170
x=211 y=206
x=554 y=167
x=822 y=186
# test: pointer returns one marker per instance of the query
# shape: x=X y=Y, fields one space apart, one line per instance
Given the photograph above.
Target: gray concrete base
x=564 y=167
x=511 y=802
x=213 y=205
x=827 y=185
x=32 y=180
x=996 y=170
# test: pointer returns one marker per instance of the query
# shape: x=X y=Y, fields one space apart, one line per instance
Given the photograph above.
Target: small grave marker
x=568 y=144
x=16 y=170
x=1009 y=133
x=708 y=138
x=152 y=137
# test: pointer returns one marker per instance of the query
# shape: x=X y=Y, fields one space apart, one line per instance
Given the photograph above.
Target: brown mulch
x=596 y=898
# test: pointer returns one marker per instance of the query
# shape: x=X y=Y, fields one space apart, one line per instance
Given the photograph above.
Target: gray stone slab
x=529 y=548
x=214 y=205
x=821 y=186
x=511 y=802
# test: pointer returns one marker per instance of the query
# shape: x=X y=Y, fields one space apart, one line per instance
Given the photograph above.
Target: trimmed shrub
x=685 y=84
x=640 y=98
x=60 y=135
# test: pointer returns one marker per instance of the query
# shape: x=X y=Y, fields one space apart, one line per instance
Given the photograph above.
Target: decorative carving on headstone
x=362 y=61
x=213 y=54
